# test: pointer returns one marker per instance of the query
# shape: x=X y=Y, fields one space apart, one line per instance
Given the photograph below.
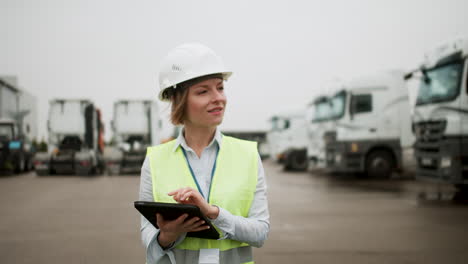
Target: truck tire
x=380 y=164
x=461 y=195
x=42 y=172
x=82 y=172
x=21 y=166
x=297 y=160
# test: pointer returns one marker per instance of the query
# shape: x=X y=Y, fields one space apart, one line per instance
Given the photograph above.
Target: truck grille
x=329 y=137
x=430 y=131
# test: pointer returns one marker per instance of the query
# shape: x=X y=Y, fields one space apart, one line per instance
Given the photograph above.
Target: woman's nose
x=218 y=96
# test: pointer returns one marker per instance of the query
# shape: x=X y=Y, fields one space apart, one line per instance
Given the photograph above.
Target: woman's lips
x=216 y=110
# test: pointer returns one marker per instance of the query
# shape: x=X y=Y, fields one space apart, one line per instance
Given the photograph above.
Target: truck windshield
x=6 y=132
x=277 y=124
x=338 y=103
x=323 y=111
x=443 y=84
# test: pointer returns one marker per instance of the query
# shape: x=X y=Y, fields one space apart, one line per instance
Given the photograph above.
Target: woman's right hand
x=169 y=231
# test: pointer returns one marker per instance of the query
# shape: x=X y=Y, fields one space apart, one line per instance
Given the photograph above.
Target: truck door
x=363 y=125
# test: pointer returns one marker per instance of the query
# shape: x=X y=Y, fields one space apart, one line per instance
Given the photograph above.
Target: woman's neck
x=198 y=138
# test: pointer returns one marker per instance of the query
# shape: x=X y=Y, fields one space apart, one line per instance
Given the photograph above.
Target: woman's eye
x=221 y=88
x=202 y=92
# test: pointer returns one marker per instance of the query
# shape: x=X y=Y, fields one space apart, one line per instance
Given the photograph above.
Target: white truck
x=287 y=140
x=440 y=115
x=323 y=113
x=75 y=143
x=18 y=127
x=374 y=134
x=136 y=125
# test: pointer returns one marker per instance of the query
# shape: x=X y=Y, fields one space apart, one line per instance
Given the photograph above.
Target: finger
x=181 y=219
x=191 y=221
x=159 y=220
x=173 y=192
x=200 y=228
x=187 y=196
x=178 y=194
x=182 y=193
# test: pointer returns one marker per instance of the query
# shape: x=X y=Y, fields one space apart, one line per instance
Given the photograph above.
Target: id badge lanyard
x=211 y=255
x=207 y=197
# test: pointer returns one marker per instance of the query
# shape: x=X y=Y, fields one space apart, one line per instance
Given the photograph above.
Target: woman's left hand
x=189 y=195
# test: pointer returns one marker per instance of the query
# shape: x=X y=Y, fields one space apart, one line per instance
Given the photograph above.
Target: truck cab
x=440 y=114
x=75 y=139
x=374 y=131
x=17 y=128
x=136 y=126
x=327 y=109
x=287 y=140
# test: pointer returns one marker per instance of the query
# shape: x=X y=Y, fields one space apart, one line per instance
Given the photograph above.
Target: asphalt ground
x=315 y=218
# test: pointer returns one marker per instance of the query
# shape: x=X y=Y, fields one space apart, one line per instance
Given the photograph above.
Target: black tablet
x=171 y=211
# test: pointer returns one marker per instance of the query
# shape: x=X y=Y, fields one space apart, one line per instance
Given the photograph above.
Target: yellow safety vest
x=232 y=188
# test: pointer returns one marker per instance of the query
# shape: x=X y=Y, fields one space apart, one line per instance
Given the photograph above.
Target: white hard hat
x=186 y=62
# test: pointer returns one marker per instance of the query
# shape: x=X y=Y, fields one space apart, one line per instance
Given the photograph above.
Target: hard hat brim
x=163 y=94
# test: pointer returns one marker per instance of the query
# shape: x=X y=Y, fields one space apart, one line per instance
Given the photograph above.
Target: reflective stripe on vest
x=232 y=256
x=232 y=188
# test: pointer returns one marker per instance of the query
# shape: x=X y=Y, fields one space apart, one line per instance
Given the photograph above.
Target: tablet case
x=171 y=211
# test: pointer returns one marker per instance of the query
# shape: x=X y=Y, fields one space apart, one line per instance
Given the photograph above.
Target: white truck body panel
x=8 y=102
x=14 y=101
x=136 y=117
x=283 y=138
x=389 y=117
x=66 y=118
x=28 y=102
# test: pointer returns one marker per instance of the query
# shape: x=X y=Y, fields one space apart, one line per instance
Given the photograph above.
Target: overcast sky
x=282 y=53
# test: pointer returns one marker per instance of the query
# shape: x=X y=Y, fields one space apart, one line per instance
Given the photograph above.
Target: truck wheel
x=380 y=164
x=82 y=172
x=20 y=167
x=461 y=195
x=299 y=161
x=42 y=172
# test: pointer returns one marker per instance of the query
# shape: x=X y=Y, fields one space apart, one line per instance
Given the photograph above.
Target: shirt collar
x=180 y=140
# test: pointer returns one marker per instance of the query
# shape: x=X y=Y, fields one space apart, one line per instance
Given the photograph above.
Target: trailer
x=374 y=134
x=18 y=128
x=75 y=143
x=136 y=125
x=440 y=115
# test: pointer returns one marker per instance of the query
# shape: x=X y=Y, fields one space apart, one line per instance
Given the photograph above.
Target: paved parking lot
x=315 y=218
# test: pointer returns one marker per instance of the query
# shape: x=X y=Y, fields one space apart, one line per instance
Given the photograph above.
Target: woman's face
x=206 y=103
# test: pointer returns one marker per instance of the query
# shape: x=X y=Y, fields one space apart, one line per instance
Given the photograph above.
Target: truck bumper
x=443 y=161
x=339 y=159
x=132 y=162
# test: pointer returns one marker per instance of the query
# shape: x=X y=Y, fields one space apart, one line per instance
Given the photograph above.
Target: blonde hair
x=179 y=105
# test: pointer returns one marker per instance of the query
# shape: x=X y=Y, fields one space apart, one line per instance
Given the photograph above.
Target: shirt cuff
x=223 y=223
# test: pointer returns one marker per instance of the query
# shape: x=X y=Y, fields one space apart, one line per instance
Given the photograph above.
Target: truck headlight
x=354 y=147
x=445 y=162
x=337 y=158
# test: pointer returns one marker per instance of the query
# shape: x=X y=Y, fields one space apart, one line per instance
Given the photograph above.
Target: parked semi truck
x=374 y=134
x=136 y=125
x=323 y=113
x=440 y=115
x=75 y=143
x=18 y=128
x=287 y=140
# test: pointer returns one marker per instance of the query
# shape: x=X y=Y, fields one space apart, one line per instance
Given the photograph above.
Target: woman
x=222 y=175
